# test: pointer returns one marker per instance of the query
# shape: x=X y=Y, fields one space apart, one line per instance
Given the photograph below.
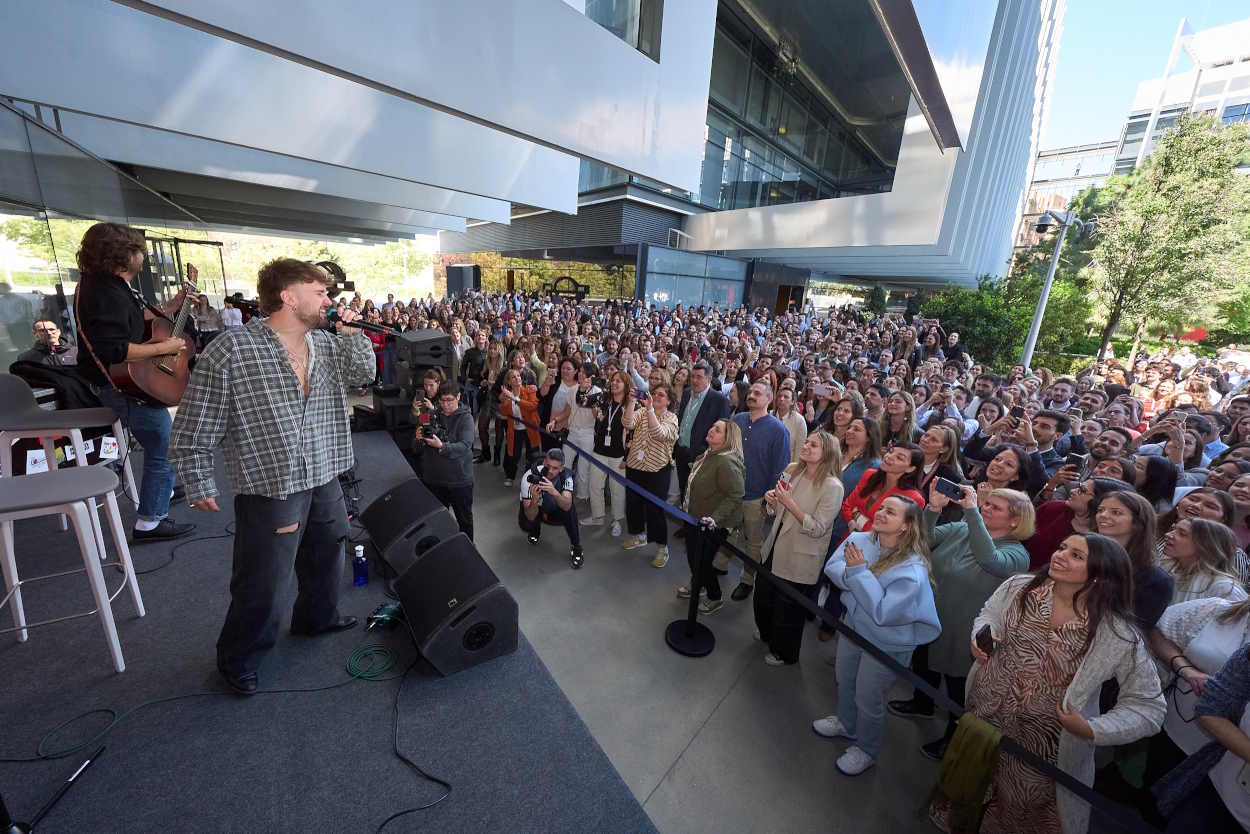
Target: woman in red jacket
x=899 y=473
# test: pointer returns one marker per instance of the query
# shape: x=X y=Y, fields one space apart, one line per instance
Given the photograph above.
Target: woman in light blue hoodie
x=888 y=594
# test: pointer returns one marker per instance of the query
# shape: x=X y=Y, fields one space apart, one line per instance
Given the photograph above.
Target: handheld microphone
x=332 y=317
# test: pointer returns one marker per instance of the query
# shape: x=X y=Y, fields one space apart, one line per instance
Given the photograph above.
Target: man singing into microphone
x=273 y=394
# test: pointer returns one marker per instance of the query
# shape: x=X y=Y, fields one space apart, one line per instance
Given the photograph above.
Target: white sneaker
x=616 y=529
x=591 y=522
x=854 y=761
x=635 y=542
x=830 y=727
x=661 y=557
x=772 y=660
x=507 y=482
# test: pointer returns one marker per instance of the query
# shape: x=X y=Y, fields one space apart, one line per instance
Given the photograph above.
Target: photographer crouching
x=547 y=498
x=446 y=443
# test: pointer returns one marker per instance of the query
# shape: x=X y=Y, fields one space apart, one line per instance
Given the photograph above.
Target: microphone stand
x=9 y=826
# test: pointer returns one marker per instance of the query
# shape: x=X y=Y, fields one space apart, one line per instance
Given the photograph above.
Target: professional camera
x=536 y=474
x=434 y=425
x=586 y=399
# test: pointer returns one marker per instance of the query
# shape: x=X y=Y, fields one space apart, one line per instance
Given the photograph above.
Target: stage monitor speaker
x=459 y=612
x=428 y=348
x=406 y=522
x=461 y=277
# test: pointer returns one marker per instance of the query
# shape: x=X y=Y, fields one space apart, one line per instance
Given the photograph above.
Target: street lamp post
x=1044 y=223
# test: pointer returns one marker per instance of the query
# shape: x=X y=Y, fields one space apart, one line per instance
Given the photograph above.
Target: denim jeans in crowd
x=150 y=425
x=862 y=685
x=470 y=399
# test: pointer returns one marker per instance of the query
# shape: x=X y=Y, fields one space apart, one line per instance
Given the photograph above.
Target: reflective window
x=637 y=22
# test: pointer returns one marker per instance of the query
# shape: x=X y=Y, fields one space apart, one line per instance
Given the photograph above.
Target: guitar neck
x=181 y=321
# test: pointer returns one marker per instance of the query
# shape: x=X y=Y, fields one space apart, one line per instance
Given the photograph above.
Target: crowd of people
x=1064 y=554
x=1090 y=529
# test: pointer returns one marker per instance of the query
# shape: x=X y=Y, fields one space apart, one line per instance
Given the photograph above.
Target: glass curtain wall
x=50 y=193
x=675 y=277
x=770 y=138
x=637 y=22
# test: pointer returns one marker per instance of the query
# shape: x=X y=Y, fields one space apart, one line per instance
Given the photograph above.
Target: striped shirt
x=244 y=396
x=654 y=445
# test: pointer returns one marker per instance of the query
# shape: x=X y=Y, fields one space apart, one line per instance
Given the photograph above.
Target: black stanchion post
x=689 y=636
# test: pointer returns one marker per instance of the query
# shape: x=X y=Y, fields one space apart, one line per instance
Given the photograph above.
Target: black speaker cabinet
x=420 y=350
x=406 y=522
x=461 y=277
x=459 y=612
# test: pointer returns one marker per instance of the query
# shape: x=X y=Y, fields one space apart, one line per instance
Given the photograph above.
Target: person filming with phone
x=969 y=560
x=1065 y=629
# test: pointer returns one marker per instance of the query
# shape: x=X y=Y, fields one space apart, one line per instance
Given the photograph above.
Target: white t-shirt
x=565 y=396
x=1209 y=650
x=563 y=482
x=582 y=420
x=231 y=317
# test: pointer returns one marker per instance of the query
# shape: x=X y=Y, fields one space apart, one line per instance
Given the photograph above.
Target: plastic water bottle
x=360 y=567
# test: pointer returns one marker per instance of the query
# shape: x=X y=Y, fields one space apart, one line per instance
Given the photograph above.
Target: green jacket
x=716 y=490
x=968 y=566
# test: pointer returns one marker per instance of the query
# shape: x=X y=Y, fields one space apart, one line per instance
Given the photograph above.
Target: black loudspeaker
x=406 y=522
x=461 y=277
x=459 y=613
x=420 y=350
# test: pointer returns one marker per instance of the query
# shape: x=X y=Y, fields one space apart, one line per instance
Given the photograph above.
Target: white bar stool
x=21 y=417
x=70 y=492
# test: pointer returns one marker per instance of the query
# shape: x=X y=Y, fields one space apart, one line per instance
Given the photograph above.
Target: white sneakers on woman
x=854 y=761
x=831 y=727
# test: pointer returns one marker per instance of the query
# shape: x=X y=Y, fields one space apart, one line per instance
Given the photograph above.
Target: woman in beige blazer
x=805 y=501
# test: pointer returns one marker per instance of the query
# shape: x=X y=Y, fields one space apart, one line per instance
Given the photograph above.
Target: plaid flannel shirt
x=244 y=395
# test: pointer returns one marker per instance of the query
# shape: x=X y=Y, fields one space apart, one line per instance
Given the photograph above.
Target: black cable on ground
x=368 y=662
x=174 y=552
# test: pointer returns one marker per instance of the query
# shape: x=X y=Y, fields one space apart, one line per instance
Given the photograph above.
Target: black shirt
x=473 y=365
x=110 y=319
x=610 y=428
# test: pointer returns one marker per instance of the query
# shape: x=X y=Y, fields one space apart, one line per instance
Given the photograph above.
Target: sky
x=1108 y=46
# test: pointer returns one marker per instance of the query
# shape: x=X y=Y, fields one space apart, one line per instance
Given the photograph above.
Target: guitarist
x=111 y=321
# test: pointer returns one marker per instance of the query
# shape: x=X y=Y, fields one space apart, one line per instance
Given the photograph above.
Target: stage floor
x=518 y=755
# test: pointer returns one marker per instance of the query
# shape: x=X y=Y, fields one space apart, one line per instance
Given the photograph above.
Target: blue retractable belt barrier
x=1109 y=810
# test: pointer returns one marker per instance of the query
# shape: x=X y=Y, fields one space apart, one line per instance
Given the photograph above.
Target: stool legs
x=49 y=453
x=8 y=562
x=80 y=455
x=123 y=549
x=128 y=472
x=81 y=519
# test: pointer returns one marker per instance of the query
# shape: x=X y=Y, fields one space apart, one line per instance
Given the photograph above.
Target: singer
x=273 y=394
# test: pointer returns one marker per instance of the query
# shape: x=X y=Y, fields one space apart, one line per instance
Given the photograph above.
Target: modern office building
x=1217 y=83
x=1058 y=176
x=840 y=143
x=760 y=140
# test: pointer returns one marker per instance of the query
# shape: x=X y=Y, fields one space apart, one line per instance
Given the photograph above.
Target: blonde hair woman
x=888 y=594
x=806 y=500
x=714 y=496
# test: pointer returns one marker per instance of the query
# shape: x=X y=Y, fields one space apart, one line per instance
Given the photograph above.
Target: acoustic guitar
x=161 y=379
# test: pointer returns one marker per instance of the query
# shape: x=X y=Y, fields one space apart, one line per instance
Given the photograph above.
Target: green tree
x=875 y=302
x=1164 y=241
x=990 y=330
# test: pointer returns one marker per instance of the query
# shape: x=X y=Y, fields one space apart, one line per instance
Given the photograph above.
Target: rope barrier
x=1110 y=811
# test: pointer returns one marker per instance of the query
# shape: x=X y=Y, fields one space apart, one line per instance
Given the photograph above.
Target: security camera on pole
x=1082 y=229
